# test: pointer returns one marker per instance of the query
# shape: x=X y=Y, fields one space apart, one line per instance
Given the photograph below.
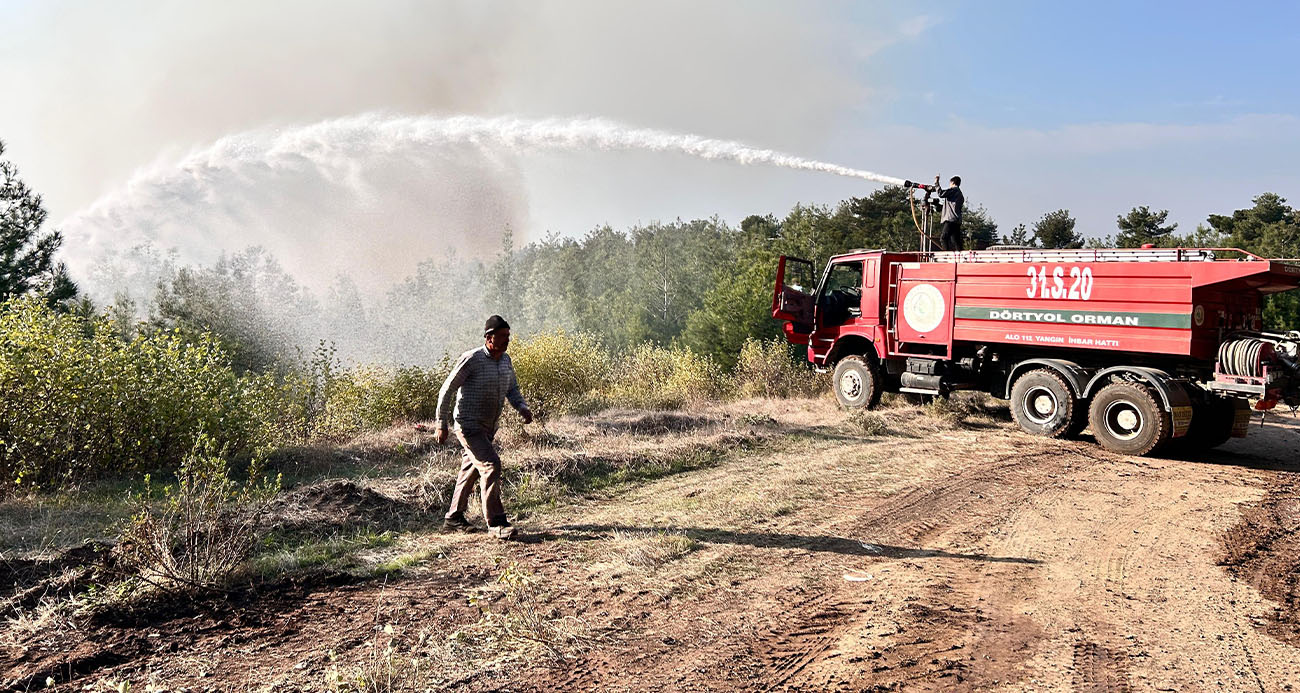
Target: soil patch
x=28 y=582
x=1264 y=550
x=288 y=620
x=338 y=503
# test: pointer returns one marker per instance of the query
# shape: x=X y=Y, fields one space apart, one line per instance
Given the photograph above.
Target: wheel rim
x=851 y=385
x=1123 y=420
x=1040 y=405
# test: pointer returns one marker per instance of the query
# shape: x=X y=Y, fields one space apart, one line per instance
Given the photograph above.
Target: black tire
x=857 y=383
x=1079 y=421
x=1043 y=404
x=1211 y=426
x=1126 y=418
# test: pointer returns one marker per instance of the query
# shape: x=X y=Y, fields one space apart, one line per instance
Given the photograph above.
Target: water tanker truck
x=1149 y=347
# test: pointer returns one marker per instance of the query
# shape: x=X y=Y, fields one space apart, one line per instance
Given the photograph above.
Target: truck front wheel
x=1042 y=404
x=857 y=383
x=1126 y=418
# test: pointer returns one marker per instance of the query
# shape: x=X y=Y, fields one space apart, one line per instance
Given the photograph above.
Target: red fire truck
x=1146 y=346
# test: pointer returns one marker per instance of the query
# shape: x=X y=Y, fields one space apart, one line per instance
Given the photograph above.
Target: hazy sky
x=1094 y=107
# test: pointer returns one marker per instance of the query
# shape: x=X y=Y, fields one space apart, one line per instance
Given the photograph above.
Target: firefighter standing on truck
x=480 y=381
x=950 y=222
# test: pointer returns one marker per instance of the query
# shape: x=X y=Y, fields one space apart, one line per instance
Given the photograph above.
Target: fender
x=1075 y=375
x=1173 y=396
x=855 y=343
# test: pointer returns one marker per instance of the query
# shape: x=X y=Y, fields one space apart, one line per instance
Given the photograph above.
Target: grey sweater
x=478 y=385
x=952 y=204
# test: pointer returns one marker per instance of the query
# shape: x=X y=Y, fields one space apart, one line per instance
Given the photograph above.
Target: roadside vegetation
x=151 y=467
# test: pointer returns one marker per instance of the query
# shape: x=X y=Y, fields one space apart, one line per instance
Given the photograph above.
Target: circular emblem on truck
x=923 y=308
x=1199 y=315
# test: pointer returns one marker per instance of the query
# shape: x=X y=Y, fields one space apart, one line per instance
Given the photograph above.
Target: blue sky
x=1047 y=64
x=1093 y=107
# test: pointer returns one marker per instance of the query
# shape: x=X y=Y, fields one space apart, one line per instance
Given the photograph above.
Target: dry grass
x=517 y=623
x=388 y=665
x=870 y=423
x=43 y=524
x=24 y=625
x=651 y=550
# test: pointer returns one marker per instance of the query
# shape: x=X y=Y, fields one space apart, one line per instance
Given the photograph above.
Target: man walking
x=479 y=383
x=950 y=222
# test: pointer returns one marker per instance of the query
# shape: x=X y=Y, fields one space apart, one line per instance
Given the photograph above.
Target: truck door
x=793 y=299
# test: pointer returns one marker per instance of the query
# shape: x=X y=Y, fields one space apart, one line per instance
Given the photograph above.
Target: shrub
x=372 y=397
x=560 y=372
x=664 y=378
x=77 y=401
x=319 y=398
x=205 y=528
x=766 y=368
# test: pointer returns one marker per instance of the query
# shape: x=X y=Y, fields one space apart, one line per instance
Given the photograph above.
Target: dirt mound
x=1264 y=550
x=28 y=582
x=650 y=422
x=339 y=503
x=207 y=626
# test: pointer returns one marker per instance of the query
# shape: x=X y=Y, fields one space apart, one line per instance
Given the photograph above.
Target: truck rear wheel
x=1044 y=405
x=1126 y=418
x=857 y=383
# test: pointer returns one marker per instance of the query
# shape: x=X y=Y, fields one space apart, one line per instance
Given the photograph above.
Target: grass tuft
x=651 y=550
x=870 y=423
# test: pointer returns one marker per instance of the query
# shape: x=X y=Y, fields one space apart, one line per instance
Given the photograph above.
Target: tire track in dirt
x=962 y=500
x=970 y=503
x=1099 y=669
x=791 y=651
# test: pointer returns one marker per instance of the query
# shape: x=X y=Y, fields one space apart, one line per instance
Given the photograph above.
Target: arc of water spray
x=332 y=141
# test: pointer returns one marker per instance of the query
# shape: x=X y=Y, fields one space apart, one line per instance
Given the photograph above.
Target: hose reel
x=1245 y=356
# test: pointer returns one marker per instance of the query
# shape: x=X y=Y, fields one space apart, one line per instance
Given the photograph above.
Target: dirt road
x=932 y=555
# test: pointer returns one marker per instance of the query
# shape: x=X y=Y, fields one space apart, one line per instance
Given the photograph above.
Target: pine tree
x=27 y=263
x=1019 y=236
x=1272 y=229
x=1056 y=230
x=1141 y=226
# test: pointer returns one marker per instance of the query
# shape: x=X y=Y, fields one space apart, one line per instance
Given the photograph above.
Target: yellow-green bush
x=322 y=399
x=372 y=397
x=560 y=372
x=767 y=369
x=664 y=377
x=76 y=400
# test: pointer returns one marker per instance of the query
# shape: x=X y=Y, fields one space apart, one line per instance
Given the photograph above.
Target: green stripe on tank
x=1077 y=317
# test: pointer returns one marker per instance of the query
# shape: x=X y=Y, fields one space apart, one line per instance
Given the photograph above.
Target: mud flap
x=1182 y=418
x=1241 y=416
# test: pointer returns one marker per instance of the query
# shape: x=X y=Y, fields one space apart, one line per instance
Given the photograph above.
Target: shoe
x=502 y=532
x=456 y=523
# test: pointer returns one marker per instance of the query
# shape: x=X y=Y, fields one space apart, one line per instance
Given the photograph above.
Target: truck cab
x=841 y=310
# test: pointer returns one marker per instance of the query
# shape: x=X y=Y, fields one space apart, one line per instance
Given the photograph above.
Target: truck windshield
x=841 y=298
x=845 y=276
